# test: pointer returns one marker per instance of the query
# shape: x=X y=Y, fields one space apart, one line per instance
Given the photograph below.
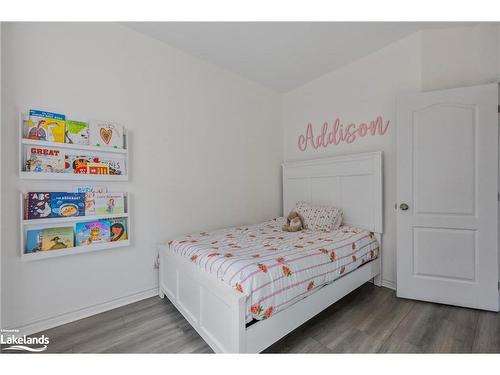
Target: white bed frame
x=217 y=311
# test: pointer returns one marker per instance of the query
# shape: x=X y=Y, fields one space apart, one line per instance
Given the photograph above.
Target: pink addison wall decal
x=338 y=133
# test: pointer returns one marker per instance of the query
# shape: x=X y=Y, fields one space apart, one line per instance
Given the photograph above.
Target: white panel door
x=447 y=246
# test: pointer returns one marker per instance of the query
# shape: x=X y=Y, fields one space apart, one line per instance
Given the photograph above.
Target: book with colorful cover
x=57 y=238
x=43 y=159
x=33 y=241
x=75 y=163
x=46 y=126
x=89 y=191
x=77 y=132
x=118 y=229
x=37 y=206
x=91 y=164
x=89 y=203
x=116 y=165
x=67 y=204
x=105 y=134
x=97 y=168
x=109 y=203
x=92 y=232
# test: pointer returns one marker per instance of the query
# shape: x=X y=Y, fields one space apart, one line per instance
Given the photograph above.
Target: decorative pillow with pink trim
x=319 y=218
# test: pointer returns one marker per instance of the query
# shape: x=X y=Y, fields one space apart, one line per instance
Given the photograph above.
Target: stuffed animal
x=294 y=222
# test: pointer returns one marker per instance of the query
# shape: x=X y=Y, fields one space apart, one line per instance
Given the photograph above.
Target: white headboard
x=351 y=182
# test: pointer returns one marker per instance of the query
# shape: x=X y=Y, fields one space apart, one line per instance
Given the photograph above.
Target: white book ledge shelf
x=26 y=225
x=103 y=152
x=74 y=250
x=28 y=147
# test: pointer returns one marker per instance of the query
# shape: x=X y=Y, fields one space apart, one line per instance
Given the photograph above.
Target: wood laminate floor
x=369 y=320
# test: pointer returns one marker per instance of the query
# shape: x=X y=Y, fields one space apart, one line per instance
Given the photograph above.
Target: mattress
x=272 y=268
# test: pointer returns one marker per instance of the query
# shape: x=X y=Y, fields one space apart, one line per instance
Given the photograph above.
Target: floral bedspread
x=273 y=268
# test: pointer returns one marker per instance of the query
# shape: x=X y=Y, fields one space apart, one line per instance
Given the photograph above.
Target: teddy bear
x=294 y=222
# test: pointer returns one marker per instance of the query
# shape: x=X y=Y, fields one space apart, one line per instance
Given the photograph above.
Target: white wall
x=458 y=57
x=358 y=93
x=1 y=285
x=427 y=60
x=206 y=148
x=498 y=52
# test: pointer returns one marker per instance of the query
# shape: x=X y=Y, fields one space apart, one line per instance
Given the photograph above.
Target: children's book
x=67 y=204
x=97 y=168
x=46 y=126
x=57 y=238
x=105 y=134
x=78 y=163
x=77 y=132
x=92 y=232
x=116 y=165
x=91 y=164
x=89 y=203
x=37 y=206
x=109 y=203
x=118 y=228
x=90 y=189
x=33 y=241
x=41 y=159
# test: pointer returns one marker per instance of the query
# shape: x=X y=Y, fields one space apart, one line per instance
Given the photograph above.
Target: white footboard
x=215 y=310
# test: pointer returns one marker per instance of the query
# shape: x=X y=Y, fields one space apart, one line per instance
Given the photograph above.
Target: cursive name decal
x=338 y=133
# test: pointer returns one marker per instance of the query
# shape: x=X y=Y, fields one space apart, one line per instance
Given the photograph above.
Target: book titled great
x=43 y=159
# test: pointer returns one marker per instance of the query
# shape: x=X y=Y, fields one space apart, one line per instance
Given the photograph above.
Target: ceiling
x=281 y=55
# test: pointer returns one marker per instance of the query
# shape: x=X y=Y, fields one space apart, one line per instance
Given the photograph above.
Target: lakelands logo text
x=22 y=343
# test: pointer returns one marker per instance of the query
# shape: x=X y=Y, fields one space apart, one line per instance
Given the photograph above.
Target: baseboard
x=389 y=284
x=58 y=320
x=85 y=312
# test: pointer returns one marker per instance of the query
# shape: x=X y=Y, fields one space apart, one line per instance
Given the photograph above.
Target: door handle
x=403 y=206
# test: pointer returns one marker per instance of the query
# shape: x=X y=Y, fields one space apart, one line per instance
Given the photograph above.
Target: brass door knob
x=403 y=206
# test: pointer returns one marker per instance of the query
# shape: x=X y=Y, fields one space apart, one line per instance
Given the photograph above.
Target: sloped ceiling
x=281 y=55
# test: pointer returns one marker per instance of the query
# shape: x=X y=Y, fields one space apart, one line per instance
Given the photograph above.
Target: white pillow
x=319 y=218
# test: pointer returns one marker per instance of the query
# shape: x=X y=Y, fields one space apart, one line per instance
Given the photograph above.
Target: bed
x=244 y=288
